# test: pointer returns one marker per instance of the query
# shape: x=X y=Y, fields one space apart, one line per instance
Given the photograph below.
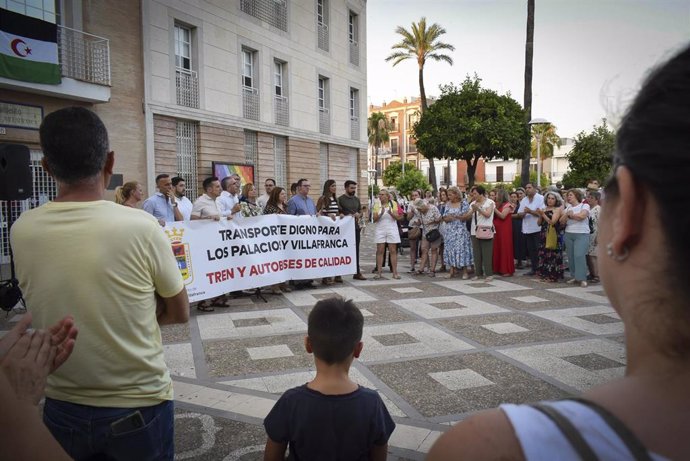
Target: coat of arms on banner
x=182 y=254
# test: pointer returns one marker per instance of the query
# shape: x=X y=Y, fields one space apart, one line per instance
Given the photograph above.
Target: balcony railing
x=324 y=121
x=250 y=103
x=354 y=128
x=187 y=85
x=84 y=56
x=323 y=36
x=354 y=53
x=281 y=110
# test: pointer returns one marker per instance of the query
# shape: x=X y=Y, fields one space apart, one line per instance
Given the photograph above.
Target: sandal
x=396 y=277
x=378 y=277
x=205 y=306
x=432 y=274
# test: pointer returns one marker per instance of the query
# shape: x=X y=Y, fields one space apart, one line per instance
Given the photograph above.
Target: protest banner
x=217 y=257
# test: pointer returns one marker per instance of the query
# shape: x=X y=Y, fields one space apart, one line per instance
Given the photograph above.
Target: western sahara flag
x=28 y=49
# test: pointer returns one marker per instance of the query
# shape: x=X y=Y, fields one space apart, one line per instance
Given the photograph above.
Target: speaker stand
x=10 y=294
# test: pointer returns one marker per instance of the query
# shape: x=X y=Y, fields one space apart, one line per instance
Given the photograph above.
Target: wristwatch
x=174 y=204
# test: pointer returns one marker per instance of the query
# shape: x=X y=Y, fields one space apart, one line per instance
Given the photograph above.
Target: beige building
x=276 y=84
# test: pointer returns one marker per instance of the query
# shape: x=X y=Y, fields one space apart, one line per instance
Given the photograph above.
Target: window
x=186 y=81
x=411 y=120
x=280 y=101
x=394 y=123
x=248 y=68
x=251 y=147
x=354 y=152
x=353 y=37
x=446 y=175
x=323 y=154
x=183 y=48
x=394 y=146
x=280 y=160
x=411 y=144
x=186 y=136
x=324 y=105
x=354 y=113
x=322 y=24
x=44 y=10
x=273 y=12
x=499 y=174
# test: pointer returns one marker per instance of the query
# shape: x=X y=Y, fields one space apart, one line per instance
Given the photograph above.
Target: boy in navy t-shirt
x=331 y=417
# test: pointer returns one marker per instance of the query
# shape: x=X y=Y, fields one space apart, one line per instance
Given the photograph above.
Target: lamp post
x=538 y=136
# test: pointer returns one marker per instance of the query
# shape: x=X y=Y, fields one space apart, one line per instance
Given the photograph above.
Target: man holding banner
x=351 y=206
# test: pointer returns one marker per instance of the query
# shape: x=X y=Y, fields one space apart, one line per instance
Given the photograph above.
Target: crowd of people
x=102 y=280
x=492 y=233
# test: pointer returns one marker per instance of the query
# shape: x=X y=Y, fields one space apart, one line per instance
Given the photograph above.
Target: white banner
x=217 y=257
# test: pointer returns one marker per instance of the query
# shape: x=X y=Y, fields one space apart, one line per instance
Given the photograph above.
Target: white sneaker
x=583 y=284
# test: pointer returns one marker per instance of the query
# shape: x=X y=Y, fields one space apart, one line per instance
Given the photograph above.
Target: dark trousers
x=532 y=242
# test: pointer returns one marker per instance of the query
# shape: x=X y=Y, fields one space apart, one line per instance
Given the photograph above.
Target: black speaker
x=15 y=172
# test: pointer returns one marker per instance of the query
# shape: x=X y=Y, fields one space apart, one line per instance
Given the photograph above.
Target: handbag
x=414 y=233
x=551 y=238
x=433 y=235
x=483 y=232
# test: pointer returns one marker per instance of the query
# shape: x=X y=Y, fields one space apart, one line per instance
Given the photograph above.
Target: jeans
x=576 y=246
x=84 y=432
x=483 y=256
x=532 y=242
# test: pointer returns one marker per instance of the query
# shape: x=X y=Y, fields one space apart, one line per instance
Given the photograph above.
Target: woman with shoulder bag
x=550 y=239
x=482 y=211
x=431 y=236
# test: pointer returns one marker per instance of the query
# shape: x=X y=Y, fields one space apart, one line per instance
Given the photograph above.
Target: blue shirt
x=159 y=206
x=329 y=427
x=299 y=205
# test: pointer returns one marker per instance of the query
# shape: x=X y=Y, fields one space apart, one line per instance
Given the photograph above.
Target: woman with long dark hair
x=277 y=204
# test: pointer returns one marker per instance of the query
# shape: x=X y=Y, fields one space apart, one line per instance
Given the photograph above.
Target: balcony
x=187 y=88
x=354 y=53
x=324 y=120
x=354 y=128
x=323 y=36
x=84 y=66
x=250 y=103
x=281 y=110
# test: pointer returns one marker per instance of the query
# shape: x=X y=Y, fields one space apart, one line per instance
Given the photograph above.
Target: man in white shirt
x=183 y=203
x=229 y=199
x=529 y=205
x=206 y=206
x=269 y=185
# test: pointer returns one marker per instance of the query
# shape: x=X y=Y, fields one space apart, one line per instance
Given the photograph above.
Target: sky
x=590 y=56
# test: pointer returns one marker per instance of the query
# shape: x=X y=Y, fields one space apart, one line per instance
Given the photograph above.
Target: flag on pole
x=28 y=49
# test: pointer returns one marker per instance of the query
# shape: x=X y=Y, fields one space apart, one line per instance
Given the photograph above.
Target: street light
x=538 y=136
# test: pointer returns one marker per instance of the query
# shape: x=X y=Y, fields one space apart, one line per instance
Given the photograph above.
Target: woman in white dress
x=386 y=216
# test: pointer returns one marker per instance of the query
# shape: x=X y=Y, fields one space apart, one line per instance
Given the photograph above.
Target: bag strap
x=634 y=445
x=573 y=436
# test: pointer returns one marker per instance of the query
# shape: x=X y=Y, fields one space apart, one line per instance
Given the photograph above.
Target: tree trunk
x=471 y=171
x=529 y=51
x=422 y=96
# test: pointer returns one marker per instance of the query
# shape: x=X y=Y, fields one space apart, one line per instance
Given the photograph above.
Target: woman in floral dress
x=550 y=261
x=457 y=253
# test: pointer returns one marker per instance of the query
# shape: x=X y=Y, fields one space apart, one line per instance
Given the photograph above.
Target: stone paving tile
x=232 y=357
x=223 y=325
x=175 y=333
x=310 y=297
x=447 y=306
x=180 y=359
x=516 y=300
x=597 y=320
x=480 y=286
x=378 y=312
x=425 y=288
x=536 y=330
x=592 y=294
x=414 y=381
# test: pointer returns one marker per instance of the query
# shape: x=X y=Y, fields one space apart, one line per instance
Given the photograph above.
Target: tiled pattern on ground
x=436 y=350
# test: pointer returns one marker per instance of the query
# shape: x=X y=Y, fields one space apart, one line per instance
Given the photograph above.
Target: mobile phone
x=128 y=423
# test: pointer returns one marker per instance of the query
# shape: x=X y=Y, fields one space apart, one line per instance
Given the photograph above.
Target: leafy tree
x=404 y=183
x=421 y=43
x=378 y=127
x=527 y=102
x=517 y=182
x=590 y=157
x=549 y=138
x=469 y=122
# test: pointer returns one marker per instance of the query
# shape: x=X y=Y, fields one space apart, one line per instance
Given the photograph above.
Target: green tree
x=421 y=43
x=469 y=122
x=549 y=138
x=590 y=157
x=378 y=127
x=517 y=182
x=527 y=101
x=404 y=183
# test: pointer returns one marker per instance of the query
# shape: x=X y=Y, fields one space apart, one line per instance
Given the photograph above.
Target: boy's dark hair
x=75 y=144
x=208 y=181
x=334 y=329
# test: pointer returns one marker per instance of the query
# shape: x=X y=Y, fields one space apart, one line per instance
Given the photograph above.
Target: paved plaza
x=436 y=350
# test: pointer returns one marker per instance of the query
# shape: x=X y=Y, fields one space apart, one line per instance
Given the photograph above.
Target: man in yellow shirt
x=113 y=270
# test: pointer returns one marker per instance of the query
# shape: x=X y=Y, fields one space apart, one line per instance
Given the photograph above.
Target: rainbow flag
x=28 y=49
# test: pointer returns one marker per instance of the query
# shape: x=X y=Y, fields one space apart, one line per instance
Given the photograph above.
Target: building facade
x=275 y=84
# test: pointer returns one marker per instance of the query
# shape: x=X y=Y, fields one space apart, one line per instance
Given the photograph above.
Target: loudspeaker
x=15 y=172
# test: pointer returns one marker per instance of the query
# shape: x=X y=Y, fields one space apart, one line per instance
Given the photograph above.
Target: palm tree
x=378 y=127
x=421 y=43
x=549 y=138
x=529 y=51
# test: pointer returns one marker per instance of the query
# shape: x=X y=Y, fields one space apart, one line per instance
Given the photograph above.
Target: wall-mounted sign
x=20 y=115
